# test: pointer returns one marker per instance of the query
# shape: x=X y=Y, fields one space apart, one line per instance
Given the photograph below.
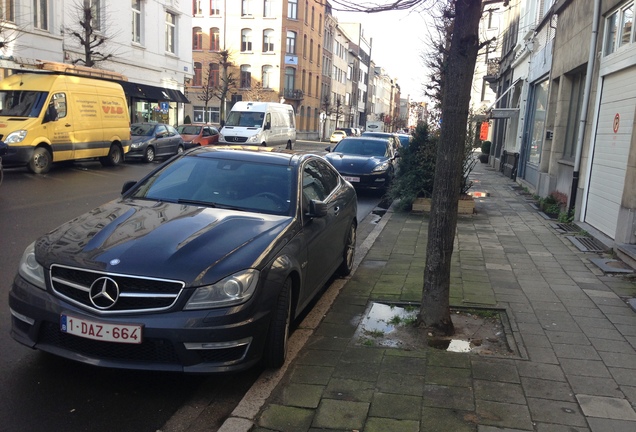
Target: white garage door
x=613 y=137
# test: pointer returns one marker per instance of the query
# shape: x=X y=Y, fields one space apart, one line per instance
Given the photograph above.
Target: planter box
x=465 y=206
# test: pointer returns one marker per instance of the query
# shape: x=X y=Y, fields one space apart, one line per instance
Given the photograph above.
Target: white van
x=260 y=123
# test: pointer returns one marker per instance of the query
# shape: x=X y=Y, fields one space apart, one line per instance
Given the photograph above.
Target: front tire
x=349 y=252
x=41 y=161
x=290 y=146
x=114 y=158
x=278 y=333
x=180 y=150
x=149 y=154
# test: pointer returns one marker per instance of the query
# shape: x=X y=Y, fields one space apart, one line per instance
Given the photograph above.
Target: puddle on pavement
x=390 y=326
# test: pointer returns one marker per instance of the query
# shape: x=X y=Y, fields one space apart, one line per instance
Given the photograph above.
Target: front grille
x=135 y=294
x=150 y=350
x=235 y=139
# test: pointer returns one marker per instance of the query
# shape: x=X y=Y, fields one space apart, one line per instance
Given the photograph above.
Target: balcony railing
x=290 y=94
x=492 y=69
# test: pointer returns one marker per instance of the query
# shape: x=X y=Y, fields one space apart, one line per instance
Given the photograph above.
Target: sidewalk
x=575 y=334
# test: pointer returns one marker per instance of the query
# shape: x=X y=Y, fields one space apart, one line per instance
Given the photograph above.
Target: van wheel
x=278 y=333
x=41 y=161
x=264 y=144
x=149 y=155
x=290 y=146
x=114 y=158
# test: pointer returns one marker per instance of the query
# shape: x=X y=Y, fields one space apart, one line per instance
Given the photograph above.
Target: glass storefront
x=159 y=112
x=537 y=123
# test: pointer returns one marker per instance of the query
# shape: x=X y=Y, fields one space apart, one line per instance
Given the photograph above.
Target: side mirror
x=317 y=208
x=127 y=186
x=268 y=126
x=328 y=149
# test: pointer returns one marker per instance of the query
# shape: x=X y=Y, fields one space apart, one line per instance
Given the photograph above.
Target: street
x=43 y=392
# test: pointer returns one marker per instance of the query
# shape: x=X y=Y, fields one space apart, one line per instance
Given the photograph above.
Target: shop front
x=153 y=104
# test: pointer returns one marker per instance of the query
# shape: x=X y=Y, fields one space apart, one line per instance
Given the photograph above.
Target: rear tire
x=278 y=333
x=349 y=252
x=149 y=154
x=41 y=161
x=180 y=150
x=114 y=158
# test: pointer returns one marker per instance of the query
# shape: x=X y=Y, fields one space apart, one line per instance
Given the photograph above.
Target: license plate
x=353 y=179
x=121 y=333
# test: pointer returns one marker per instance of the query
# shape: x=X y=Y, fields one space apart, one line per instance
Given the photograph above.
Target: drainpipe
x=586 y=98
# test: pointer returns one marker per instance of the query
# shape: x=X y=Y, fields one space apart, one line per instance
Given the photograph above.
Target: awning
x=152 y=93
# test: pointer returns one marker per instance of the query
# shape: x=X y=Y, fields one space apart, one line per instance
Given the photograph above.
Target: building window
x=215 y=7
x=7 y=11
x=41 y=14
x=268 y=40
x=246 y=76
x=574 y=113
x=267 y=8
x=171 y=24
x=311 y=50
x=313 y=12
x=197 y=38
x=215 y=42
x=213 y=75
x=306 y=11
x=292 y=9
x=303 y=80
x=96 y=14
x=196 y=80
x=246 y=8
x=267 y=76
x=305 y=46
x=627 y=20
x=246 y=40
x=290 y=47
x=212 y=115
x=136 y=21
x=290 y=78
x=196 y=7
x=309 y=83
x=320 y=24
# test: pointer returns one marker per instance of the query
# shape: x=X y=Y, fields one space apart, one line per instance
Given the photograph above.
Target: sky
x=399 y=39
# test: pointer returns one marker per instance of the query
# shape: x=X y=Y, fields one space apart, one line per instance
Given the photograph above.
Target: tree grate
x=587 y=244
x=566 y=228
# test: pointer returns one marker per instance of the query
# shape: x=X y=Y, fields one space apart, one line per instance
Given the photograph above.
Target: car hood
x=353 y=164
x=197 y=245
x=141 y=138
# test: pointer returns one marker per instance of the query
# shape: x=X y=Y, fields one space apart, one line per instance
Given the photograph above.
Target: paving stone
x=401 y=384
x=343 y=415
x=606 y=407
x=302 y=395
x=375 y=424
x=605 y=425
x=318 y=357
x=589 y=368
x=551 y=427
x=286 y=419
x=620 y=360
x=495 y=370
x=583 y=352
x=439 y=419
x=540 y=388
x=503 y=415
x=568 y=338
x=459 y=398
x=448 y=359
x=499 y=392
x=404 y=364
x=400 y=407
x=311 y=374
x=351 y=390
x=559 y=412
x=594 y=386
x=448 y=376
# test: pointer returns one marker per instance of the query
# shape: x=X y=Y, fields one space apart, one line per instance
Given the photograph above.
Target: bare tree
x=456 y=65
x=9 y=31
x=90 y=32
x=228 y=80
x=257 y=92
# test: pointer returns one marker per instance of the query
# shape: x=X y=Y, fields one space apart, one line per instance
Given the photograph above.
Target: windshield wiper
x=207 y=204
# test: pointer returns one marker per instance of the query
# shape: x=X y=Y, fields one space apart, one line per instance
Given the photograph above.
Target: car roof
x=248 y=153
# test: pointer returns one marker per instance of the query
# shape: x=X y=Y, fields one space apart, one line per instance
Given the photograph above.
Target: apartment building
x=148 y=42
x=274 y=52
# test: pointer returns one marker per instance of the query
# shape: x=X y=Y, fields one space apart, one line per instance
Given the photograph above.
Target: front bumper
x=204 y=341
x=17 y=155
x=379 y=181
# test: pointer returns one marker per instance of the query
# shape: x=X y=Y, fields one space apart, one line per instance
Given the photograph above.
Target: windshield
x=22 y=103
x=142 y=129
x=233 y=184
x=189 y=130
x=361 y=147
x=245 y=119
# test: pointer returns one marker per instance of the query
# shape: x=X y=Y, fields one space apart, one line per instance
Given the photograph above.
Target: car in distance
x=337 y=135
x=405 y=139
x=198 y=134
x=154 y=140
x=201 y=266
x=366 y=162
x=392 y=137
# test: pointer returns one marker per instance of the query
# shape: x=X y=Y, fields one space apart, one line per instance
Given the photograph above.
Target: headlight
x=382 y=167
x=232 y=290
x=135 y=145
x=30 y=269
x=221 y=138
x=253 y=138
x=16 y=137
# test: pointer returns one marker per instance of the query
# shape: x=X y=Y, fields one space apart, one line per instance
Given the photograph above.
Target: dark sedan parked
x=154 y=140
x=199 y=267
x=366 y=162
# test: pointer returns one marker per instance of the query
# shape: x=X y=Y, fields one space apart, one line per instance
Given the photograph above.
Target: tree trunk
x=459 y=67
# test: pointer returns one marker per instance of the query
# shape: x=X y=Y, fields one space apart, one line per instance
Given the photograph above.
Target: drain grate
x=587 y=244
x=566 y=227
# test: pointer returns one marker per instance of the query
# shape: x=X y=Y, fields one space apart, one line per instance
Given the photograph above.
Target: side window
x=161 y=131
x=206 y=132
x=172 y=131
x=57 y=106
x=319 y=180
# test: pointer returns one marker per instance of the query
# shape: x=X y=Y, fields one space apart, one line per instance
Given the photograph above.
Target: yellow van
x=50 y=117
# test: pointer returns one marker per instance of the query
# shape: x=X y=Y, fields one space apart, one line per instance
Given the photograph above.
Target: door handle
x=67 y=125
x=336 y=209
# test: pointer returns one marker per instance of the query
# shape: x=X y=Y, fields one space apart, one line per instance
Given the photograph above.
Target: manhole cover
x=587 y=244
